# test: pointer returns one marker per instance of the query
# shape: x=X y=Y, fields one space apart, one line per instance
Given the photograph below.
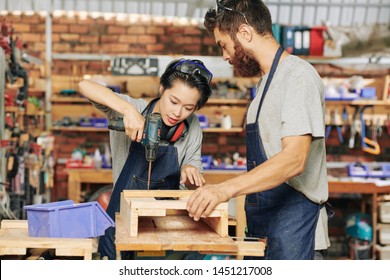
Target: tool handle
x=116 y=124
x=371 y=146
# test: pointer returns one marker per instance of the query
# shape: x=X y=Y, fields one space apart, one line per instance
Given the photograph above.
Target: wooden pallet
x=14 y=240
x=135 y=204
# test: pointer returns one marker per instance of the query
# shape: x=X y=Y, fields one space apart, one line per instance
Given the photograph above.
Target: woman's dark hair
x=229 y=16
x=194 y=79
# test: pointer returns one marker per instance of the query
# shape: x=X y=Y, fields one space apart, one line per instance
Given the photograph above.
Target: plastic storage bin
x=384 y=212
x=67 y=219
x=384 y=234
x=358 y=170
x=99 y=122
x=384 y=252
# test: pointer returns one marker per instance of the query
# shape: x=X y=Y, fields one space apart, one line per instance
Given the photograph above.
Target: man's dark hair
x=256 y=12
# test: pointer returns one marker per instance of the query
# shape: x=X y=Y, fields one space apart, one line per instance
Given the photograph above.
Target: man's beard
x=245 y=65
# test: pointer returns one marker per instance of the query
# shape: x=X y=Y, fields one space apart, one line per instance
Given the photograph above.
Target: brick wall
x=110 y=37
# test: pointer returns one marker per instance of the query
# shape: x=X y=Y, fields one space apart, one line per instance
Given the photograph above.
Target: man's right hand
x=204 y=200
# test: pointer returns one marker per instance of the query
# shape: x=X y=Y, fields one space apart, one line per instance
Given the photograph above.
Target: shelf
x=14 y=109
x=69 y=100
x=223 y=130
x=358 y=102
x=36 y=92
x=222 y=101
x=78 y=129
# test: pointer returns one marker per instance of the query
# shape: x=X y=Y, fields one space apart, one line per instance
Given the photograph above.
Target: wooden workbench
x=77 y=176
x=178 y=233
x=14 y=240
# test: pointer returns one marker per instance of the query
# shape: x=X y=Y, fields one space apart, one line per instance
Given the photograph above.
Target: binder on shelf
x=288 y=38
x=301 y=40
x=317 y=41
x=276 y=30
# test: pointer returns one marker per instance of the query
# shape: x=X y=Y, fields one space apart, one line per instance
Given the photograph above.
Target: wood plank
x=157 y=193
x=179 y=233
x=15 y=241
x=14 y=224
x=180 y=204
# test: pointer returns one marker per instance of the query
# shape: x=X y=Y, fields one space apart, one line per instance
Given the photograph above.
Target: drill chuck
x=150 y=152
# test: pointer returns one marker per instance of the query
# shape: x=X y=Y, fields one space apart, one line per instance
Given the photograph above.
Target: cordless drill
x=150 y=139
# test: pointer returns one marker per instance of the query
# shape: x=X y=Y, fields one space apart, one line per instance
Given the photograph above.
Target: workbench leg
x=374 y=223
x=74 y=187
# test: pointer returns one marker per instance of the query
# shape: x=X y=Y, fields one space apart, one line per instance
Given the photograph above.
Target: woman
x=184 y=88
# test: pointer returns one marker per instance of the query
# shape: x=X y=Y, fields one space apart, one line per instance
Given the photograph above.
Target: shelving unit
x=2 y=119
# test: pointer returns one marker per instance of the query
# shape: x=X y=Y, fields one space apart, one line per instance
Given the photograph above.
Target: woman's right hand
x=134 y=124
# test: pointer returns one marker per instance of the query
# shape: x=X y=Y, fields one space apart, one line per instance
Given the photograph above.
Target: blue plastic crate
x=358 y=170
x=377 y=171
x=67 y=219
x=386 y=170
x=99 y=122
x=368 y=92
x=203 y=121
x=206 y=161
x=86 y=122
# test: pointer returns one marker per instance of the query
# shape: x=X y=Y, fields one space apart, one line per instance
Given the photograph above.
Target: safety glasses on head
x=219 y=6
x=193 y=66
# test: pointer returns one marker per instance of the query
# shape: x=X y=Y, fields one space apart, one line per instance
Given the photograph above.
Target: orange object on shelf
x=72 y=163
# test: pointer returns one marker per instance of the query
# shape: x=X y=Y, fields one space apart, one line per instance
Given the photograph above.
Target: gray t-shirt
x=188 y=148
x=294 y=105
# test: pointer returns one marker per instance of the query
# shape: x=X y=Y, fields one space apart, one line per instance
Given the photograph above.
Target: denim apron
x=165 y=175
x=283 y=215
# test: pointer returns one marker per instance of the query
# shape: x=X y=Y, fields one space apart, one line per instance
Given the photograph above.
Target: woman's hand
x=190 y=175
x=134 y=124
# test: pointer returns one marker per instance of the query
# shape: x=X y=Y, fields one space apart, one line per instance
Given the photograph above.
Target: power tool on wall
x=150 y=139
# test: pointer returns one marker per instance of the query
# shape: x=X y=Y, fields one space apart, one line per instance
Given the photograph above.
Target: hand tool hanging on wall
x=356 y=128
x=368 y=145
x=15 y=68
x=335 y=122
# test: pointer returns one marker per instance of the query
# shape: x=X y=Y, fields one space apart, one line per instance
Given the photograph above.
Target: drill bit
x=149 y=173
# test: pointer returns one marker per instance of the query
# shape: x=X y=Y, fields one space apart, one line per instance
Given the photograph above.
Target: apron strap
x=270 y=76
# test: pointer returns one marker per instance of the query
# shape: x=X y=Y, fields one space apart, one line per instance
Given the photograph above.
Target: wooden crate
x=135 y=204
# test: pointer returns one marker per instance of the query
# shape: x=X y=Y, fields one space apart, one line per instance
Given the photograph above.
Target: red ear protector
x=174 y=133
x=170 y=134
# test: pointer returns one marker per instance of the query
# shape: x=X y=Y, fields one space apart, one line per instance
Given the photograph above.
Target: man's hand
x=190 y=175
x=204 y=200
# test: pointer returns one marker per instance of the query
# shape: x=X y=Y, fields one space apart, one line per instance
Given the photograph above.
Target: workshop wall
x=101 y=36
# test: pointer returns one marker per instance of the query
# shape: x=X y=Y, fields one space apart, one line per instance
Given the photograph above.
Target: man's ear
x=245 y=32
